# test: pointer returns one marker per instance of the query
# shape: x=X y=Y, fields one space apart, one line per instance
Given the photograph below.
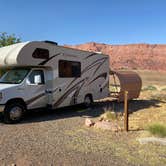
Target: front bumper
x=2 y=107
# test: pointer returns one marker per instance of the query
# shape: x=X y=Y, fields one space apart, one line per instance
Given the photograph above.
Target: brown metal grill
x=121 y=81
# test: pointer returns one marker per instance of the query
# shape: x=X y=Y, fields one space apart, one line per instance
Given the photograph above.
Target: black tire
x=13 y=113
x=88 y=100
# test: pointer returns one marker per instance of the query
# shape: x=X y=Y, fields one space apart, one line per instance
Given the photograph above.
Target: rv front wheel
x=88 y=100
x=13 y=113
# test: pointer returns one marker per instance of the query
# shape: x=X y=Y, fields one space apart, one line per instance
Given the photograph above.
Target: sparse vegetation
x=109 y=115
x=164 y=89
x=150 y=88
x=157 y=130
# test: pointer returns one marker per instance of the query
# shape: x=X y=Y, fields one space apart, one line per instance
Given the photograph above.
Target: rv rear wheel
x=88 y=100
x=13 y=113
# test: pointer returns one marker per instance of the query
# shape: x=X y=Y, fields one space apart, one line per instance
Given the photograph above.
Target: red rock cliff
x=133 y=56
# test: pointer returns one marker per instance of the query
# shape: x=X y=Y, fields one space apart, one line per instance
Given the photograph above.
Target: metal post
x=126 y=110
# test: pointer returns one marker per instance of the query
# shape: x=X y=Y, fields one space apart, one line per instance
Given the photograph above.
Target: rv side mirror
x=37 y=79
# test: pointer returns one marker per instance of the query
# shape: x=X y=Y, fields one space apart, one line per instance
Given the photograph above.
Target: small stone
x=161 y=141
x=105 y=125
x=101 y=119
x=89 y=122
x=13 y=165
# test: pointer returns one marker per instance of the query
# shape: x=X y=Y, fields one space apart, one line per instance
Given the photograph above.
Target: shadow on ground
x=79 y=110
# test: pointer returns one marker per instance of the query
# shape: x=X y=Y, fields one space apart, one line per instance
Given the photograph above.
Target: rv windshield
x=13 y=75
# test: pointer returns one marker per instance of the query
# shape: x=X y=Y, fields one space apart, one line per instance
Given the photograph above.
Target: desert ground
x=60 y=137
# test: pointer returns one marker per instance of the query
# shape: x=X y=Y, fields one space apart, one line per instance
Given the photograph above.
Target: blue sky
x=80 y=21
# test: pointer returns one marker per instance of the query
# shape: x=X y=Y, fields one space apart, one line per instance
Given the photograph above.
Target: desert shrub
x=150 y=87
x=164 y=89
x=108 y=115
x=157 y=130
x=161 y=97
x=111 y=115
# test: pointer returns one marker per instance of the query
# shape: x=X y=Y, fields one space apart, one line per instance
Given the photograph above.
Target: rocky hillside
x=133 y=56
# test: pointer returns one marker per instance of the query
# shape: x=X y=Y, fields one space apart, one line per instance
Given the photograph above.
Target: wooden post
x=126 y=125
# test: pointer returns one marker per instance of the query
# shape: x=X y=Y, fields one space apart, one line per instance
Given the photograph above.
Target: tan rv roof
x=8 y=54
x=22 y=53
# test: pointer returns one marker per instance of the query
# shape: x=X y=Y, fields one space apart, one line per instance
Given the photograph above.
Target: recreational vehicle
x=42 y=74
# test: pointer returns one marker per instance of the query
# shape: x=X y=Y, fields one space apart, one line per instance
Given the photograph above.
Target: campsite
x=44 y=136
x=83 y=83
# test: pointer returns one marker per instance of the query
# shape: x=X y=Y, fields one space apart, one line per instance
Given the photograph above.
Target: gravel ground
x=44 y=138
x=60 y=138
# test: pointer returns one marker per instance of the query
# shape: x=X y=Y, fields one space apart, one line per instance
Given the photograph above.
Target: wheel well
x=89 y=95
x=17 y=100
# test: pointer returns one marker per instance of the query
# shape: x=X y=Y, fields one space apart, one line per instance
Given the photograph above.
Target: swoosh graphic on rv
x=47 y=60
x=104 y=75
x=100 y=66
x=98 y=62
x=75 y=95
x=61 y=99
x=90 y=55
x=34 y=98
x=30 y=101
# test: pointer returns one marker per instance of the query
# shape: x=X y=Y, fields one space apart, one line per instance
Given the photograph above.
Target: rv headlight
x=1 y=96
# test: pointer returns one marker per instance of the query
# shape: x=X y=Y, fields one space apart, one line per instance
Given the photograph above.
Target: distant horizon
x=117 y=44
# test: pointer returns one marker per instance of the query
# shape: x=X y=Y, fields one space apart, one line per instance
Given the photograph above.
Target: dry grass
x=152 y=77
x=157 y=129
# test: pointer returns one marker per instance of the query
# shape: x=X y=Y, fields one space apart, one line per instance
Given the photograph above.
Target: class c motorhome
x=42 y=74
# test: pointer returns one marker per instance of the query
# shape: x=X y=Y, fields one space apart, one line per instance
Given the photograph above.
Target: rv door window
x=69 y=68
x=36 y=74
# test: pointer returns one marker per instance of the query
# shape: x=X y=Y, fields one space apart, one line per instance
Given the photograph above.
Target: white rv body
x=69 y=75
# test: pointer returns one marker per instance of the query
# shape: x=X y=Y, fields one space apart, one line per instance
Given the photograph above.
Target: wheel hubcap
x=15 y=113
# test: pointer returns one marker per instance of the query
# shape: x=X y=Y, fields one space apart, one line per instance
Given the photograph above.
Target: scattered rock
x=107 y=126
x=89 y=122
x=13 y=165
x=101 y=119
x=161 y=141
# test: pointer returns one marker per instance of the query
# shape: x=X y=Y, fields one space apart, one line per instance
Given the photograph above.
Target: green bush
x=157 y=130
x=150 y=87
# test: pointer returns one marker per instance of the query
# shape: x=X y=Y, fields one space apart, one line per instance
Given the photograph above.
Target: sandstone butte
x=132 y=56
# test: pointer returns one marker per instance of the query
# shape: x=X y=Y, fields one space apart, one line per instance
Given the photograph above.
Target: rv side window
x=41 y=53
x=69 y=68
